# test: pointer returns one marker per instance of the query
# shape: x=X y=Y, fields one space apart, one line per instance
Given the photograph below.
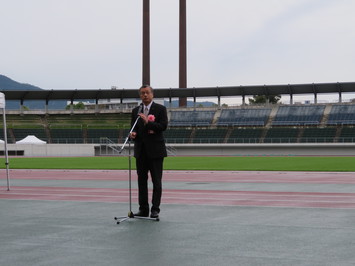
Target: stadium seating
x=342 y=115
x=24 y=121
x=347 y=134
x=67 y=135
x=281 y=135
x=314 y=134
x=94 y=135
x=298 y=115
x=177 y=135
x=244 y=117
x=245 y=135
x=290 y=124
x=191 y=118
x=21 y=133
x=2 y=133
x=209 y=135
x=90 y=120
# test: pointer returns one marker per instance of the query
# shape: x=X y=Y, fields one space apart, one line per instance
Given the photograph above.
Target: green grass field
x=328 y=164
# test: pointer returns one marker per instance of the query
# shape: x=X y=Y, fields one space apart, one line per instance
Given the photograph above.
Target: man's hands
x=144 y=118
x=133 y=135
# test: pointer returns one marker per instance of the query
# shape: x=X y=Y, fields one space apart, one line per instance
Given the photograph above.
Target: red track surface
x=195 y=197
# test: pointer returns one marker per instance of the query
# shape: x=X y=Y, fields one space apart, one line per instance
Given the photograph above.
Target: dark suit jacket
x=150 y=136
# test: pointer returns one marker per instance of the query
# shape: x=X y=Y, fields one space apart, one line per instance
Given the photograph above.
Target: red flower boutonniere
x=151 y=118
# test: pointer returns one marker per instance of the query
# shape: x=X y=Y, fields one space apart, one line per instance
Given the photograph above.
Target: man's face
x=146 y=95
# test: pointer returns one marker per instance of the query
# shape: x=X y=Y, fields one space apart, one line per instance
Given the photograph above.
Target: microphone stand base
x=130 y=215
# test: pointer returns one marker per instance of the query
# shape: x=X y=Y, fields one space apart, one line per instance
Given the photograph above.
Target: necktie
x=146 y=111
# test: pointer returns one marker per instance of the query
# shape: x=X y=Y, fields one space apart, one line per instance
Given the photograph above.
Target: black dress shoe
x=142 y=214
x=154 y=214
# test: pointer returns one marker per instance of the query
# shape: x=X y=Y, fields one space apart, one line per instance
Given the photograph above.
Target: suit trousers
x=145 y=165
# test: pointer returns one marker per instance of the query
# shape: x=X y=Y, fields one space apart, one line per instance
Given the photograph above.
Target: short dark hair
x=146 y=86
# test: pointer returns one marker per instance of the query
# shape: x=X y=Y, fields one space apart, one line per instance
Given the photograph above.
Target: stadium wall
x=265 y=149
x=42 y=150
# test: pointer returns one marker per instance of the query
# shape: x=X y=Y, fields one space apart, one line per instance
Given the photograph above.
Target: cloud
x=97 y=44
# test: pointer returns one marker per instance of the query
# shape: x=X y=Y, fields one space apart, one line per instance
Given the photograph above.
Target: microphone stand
x=130 y=214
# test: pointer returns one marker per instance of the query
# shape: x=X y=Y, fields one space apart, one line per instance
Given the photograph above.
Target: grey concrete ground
x=85 y=233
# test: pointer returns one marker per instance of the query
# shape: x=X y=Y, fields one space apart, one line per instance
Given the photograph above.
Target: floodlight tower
x=146 y=44
x=182 y=51
x=2 y=106
x=182 y=48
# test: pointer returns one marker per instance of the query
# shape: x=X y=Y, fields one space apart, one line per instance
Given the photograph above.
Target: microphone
x=140 y=109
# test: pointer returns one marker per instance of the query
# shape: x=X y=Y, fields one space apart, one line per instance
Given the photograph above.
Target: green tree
x=257 y=99
x=78 y=106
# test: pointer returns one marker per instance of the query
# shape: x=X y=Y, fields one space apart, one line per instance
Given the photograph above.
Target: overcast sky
x=58 y=44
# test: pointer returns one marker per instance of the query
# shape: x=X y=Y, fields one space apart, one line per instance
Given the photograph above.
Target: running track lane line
x=187 y=197
x=193 y=176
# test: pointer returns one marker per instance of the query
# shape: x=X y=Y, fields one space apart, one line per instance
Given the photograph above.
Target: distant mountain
x=9 y=84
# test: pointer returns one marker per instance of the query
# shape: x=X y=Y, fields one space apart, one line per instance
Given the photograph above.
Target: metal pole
x=6 y=152
x=2 y=105
x=146 y=44
x=182 y=51
x=130 y=177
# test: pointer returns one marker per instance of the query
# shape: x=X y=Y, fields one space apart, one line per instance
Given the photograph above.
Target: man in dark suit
x=149 y=149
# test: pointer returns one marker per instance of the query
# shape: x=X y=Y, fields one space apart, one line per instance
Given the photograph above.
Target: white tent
x=31 y=139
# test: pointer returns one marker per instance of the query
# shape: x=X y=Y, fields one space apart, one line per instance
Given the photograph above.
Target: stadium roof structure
x=81 y=94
